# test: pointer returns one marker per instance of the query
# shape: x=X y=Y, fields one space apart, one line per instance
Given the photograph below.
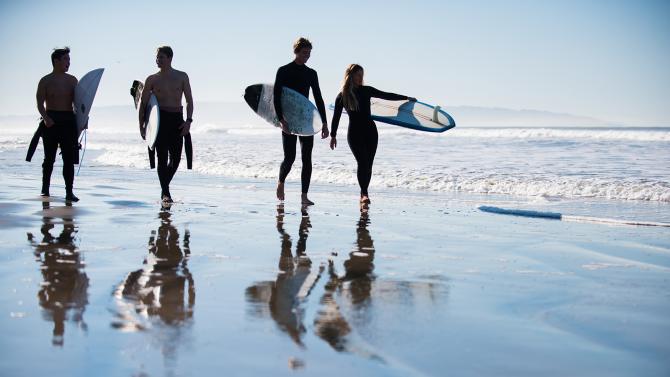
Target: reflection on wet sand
x=63 y=294
x=295 y=279
x=330 y=324
x=346 y=301
x=163 y=289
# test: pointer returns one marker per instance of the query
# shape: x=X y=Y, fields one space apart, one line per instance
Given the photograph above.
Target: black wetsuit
x=63 y=133
x=169 y=143
x=362 y=133
x=299 y=78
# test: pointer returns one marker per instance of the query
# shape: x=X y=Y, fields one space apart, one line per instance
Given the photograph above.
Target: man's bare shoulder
x=71 y=78
x=46 y=79
x=150 y=79
x=181 y=74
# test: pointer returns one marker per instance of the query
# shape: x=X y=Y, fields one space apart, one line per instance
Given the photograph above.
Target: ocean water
x=626 y=171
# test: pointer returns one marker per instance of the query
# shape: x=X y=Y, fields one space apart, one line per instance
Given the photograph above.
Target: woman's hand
x=324 y=131
x=333 y=142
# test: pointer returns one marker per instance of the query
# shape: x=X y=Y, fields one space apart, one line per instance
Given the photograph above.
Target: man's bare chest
x=59 y=88
x=167 y=87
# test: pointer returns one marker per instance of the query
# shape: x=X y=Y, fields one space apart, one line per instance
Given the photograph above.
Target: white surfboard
x=415 y=115
x=300 y=113
x=84 y=93
x=151 y=115
x=152 y=119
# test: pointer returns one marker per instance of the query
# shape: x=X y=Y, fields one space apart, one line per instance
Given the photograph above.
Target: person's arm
x=319 y=103
x=146 y=93
x=279 y=84
x=74 y=89
x=186 y=126
x=336 y=121
x=41 y=97
x=389 y=96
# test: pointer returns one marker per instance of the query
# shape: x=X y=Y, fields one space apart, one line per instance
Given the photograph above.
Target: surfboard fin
x=436 y=111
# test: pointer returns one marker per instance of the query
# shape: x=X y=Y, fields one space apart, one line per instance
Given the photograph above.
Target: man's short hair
x=167 y=50
x=59 y=53
x=301 y=43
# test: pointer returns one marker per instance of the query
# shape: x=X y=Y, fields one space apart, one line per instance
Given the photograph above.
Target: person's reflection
x=64 y=290
x=330 y=324
x=164 y=288
x=293 y=282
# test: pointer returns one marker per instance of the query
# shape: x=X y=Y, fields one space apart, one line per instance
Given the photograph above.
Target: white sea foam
x=618 y=164
x=569 y=133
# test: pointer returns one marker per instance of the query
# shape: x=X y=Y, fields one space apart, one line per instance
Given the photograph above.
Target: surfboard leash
x=81 y=160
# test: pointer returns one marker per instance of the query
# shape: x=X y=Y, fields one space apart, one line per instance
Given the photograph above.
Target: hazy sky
x=608 y=59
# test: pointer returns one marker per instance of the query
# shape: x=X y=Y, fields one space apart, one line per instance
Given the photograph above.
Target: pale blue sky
x=606 y=59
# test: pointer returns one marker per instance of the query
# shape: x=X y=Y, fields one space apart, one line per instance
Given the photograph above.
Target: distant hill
x=472 y=116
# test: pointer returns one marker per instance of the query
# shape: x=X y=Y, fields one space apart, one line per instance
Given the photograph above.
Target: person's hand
x=333 y=143
x=411 y=99
x=48 y=122
x=324 y=131
x=185 y=128
x=284 y=125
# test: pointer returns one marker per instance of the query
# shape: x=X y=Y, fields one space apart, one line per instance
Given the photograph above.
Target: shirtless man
x=168 y=85
x=57 y=91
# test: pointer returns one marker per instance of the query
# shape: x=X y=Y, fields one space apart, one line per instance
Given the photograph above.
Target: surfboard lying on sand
x=415 y=115
x=84 y=93
x=300 y=113
x=563 y=217
x=152 y=114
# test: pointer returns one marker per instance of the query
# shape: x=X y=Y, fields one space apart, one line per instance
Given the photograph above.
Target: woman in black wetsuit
x=362 y=133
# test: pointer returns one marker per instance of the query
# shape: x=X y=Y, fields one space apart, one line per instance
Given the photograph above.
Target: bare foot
x=365 y=199
x=305 y=201
x=280 y=190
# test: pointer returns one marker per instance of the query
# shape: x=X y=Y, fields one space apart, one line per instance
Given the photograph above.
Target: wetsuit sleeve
x=279 y=83
x=336 y=115
x=318 y=98
x=384 y=95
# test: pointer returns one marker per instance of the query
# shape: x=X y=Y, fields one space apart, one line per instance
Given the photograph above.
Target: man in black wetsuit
x=58 y=126
x=168 y=85
x=297 y=76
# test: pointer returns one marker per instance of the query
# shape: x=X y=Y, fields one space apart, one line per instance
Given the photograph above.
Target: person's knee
x=48 y=161
x=288 y=160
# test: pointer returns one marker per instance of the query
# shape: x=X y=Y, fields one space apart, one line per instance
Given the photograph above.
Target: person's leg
x=369 y=149
x=174 y=158
x=357 y=147
x=68 y=146
x=162 y=168
x=167 y=142
x=306 y=146
x=288 y=144
x=50 y=143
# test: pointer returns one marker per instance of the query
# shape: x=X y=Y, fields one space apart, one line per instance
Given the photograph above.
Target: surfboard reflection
x=63 y=293
x=162 y=293
x=283 y=297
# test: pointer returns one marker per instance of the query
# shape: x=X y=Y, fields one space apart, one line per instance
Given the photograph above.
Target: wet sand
x=228 y=282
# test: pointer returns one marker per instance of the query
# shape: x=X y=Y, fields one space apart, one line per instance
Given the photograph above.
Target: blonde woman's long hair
x=349 y=100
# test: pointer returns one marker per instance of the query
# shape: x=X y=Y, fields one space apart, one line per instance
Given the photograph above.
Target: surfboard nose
x=252 y=95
